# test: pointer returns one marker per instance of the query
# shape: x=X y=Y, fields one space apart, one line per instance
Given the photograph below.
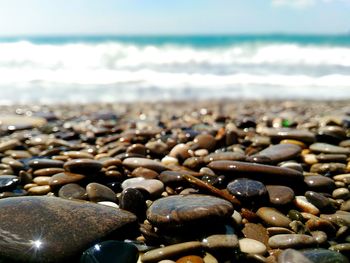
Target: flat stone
x=9 y=145
x=177 y=211
x=251 y=246
x=257 y=171
x=318 y=200
x=39 y=190
x=60 y=230
x=72 y=191
x=287 y=133
x=45 y=163
x=231 y=156
x=171 y=251
x=110 y=252
x=246 y=188
x=328 y=148
x=78 y=155
x=328 y=168
x=48 y=171
x=319 y=183
x=145 y=173
x=152 y=186
x=292 y=256
x=8 y=182
x=135 y=162
x=279 y=152
x=279 y=194
x=171 y=178
x=99 y=192
x=291 y=241
x=65 y=178
x=321 y=255
x=272 y=217
x=83 y=166
x=220 y=241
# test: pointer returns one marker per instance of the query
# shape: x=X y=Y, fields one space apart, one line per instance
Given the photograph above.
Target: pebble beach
x=186 y=181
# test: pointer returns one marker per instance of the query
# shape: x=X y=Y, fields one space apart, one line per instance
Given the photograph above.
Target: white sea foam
x=245 y=70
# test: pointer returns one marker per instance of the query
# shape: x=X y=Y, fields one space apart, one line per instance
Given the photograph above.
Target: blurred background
x=128 y=50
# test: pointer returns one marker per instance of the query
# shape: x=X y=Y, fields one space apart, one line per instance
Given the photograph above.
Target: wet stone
x=65 y=178
x=98 y=192
x=83 y=166
x=319 y=183
x=205 y=141
x=144 y=172
x=288 y=133
x=110 y=252
x=291 y=241
x=280 y=152
x=66 y=228
x=153 y=187
x=319 y=200
x=45 y=163
x=273 y=217
x=232 y=156
x=279 y=194
x=214 y=242
x=48 y=171
x=8 y=182
x=39 y=190
x=72 y=191
x=133 y=201
x=246 y=188
x=189 y=210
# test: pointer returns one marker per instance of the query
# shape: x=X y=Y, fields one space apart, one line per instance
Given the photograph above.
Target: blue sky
x=28 y=17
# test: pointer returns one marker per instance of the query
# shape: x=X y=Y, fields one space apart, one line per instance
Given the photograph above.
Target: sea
x=87 y=69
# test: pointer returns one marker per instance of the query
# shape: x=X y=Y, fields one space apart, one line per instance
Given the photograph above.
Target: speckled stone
x=257 y=171
x=291 y=241
x=8 y=182
x=135 y=162
x=220 y=241
x=279 y=194
x=83 y=166
x=278 y=153
x=273 y=217
x=60 y=230
x=246 y=188
x=177 y=211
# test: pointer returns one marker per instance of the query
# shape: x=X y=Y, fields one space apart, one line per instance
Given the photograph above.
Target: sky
x=66 y=17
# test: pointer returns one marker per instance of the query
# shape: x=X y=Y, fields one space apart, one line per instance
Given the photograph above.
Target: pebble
x=279 y=152
x=39 y=190
x=110 y=252
x=256 y=232
x=144 y=172
x=304 y=205
x=45 y=163
x=133 y=201
x=152 y=186
x=292 y=256
x=321 y=255
x=280 y=195
x=135 y=162
x=8 y=182
x=318 y=200
x=319 y=183
x=341 y=193
x=288 y=133
x=83 y=166
x=328 y=148
x=205 y=141
x=171 y=251
x=246 y=188
x=291 y=241
x=72 y=191
x=179 y=211
x=60 y=227
x=190 y=259
x=251 y=246
x=48 y=171
x=65 y=178
x=273 y=217
x=215 y=242
x=98 y=192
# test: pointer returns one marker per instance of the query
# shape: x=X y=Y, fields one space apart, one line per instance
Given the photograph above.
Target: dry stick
x=204 y=186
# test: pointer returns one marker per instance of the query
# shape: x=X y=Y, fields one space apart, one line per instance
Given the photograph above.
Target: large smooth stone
x=278 y=153
x=110 y=252
x=273 y=217
x=246 y=188
x=287 y=133
x=135 y=162
x=50 y=229
x=257 y=171
x=8 y=182
x=321 y=255
x=328 y=148
x=279 y=194
x=177 y=211
x=291 y=241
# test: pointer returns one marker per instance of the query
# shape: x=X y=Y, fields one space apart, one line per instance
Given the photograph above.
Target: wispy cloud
x=304 y=3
